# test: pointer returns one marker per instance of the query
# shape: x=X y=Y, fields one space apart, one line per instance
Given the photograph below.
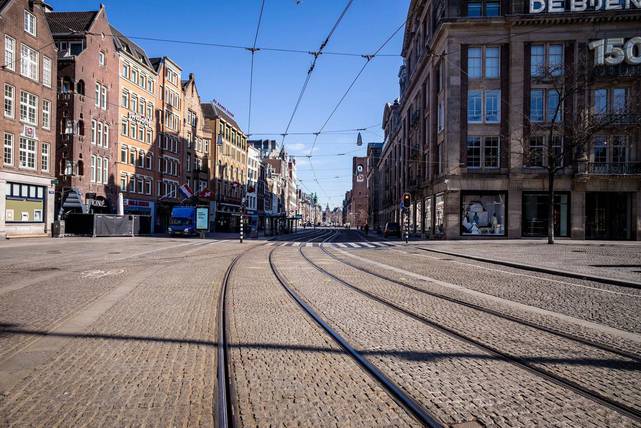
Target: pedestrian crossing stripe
x=333 y=244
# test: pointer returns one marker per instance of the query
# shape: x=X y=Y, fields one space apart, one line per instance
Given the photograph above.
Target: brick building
x=87 y=125
x=469 y=136
x=27 y=79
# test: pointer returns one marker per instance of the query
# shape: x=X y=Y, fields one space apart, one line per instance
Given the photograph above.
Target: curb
x=568 y=274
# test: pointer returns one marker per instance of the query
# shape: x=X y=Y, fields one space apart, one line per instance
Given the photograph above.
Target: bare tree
x=559 y=136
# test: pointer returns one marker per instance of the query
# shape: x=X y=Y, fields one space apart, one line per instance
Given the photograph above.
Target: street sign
x=202 y=218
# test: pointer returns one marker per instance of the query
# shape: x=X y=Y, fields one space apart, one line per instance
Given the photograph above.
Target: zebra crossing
x=333 y=244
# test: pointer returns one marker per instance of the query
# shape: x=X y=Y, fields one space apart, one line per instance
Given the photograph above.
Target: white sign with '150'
x=616 y=50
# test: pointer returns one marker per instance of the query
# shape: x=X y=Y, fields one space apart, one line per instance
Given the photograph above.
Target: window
x=535 y=151
x=535 y=214
x=482 y=152
x=492 y=106
x=140 y=185
x=134 y=102
x=545 y=105
x=132 y=184
x=103 y=97
x=28 y=108
x=475 y=63
x=134 y=75
x=613 y=100
x=9 y=53
x=125 y=70
x=150 y=110
x=134 y=130
x=536 y=105
x=9 y=100
x=25 y=200
x=8 y=149
x=27 y=153
x=46 y=114
x=483 y=213
x=44 y=157
x=132 y=155
x=105 y=170
x=150 y=159
x=101 y=58
x=546 y=60
x=619 y=104
x=483 y=62
x=553 y=108
x=98 y=169
x=492 y=63
x=29 y=63
x=93 y=169
x=30 y=23
x=97 y=95
x=141 y=158
x=473 y=152
x=474 y=106
x=123 y=153
x=600 y=150
x=46 y=71
x=148 y=185
x=125 y=98
x=124 y=127
x=148 y=140
x=105 y=133
x=483 y=8
x=141 y=133
x=93 y=132
x=441 y=116
x=99 y=136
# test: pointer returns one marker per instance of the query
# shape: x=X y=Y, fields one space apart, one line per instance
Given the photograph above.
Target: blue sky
x=223 y=74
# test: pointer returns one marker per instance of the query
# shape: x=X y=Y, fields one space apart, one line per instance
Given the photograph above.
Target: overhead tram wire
x=253 y=51
x=368 y=59
x=248 y=48
x=312 y=67
x=335 y=131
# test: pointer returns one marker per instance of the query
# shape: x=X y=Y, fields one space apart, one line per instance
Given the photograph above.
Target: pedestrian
x=366 y=227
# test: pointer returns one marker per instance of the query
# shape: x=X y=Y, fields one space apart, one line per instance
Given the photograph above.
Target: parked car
x=392 y=229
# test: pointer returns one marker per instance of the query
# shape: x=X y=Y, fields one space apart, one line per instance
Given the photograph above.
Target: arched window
x=80 y=87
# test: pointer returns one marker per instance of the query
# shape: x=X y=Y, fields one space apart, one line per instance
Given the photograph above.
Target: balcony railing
x=619 y=168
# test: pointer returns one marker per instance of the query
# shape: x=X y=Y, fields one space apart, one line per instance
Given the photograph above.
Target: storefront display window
x=439 y=214
x=535 y=214
x=24 y=203
x=419 y=217
x=428 y=216
x=483 y=213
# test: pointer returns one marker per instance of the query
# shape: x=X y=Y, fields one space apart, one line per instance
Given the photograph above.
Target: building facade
x=477 y=129
x=230 y=165
x=171 y=146
x=87 y=113
x=28 y=81
x=359 y=196
x=136 y=165
x=374 y=189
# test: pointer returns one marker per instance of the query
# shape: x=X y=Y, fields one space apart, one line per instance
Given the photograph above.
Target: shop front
x=227 y=218
x=142 y=207
x=483 y=213
x=26 y=204
x=608 y=215
x=535 y=214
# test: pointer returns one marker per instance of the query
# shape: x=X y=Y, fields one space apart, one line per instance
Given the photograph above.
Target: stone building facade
x=359 y=195
x=470 y=142
x=27 y=125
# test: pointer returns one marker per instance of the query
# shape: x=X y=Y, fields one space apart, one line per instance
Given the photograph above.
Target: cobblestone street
x=319 y=328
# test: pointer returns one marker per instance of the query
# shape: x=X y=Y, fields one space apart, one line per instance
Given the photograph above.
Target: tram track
x=619 y=407
x=226 y=406
x=393 y=389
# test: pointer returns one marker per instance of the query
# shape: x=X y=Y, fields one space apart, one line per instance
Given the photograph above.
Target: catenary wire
x=251 y=72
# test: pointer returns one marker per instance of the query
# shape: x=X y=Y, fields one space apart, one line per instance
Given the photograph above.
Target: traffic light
x=407 y=200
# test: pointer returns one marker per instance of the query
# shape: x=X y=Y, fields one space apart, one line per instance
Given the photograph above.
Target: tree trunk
x=551 y=208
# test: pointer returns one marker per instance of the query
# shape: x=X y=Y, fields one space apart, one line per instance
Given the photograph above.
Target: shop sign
x=136 y=203
x=615 y=51
x=562 y=6
x=138 y=118
x=29 y=132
